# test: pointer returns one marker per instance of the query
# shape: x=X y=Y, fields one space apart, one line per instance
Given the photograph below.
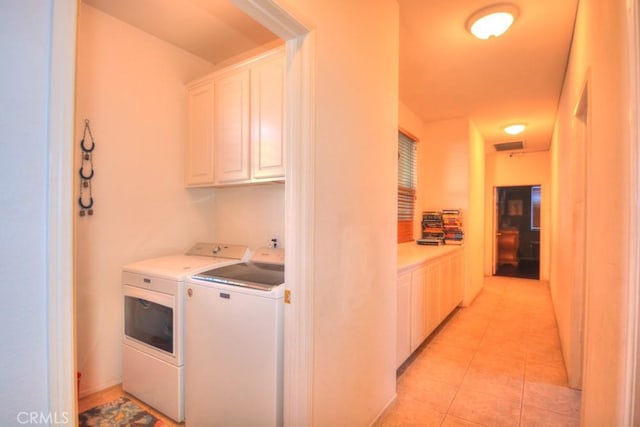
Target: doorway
x=517 y=231
x=299 y=198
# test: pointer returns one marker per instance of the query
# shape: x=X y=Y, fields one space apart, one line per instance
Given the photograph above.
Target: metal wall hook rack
x=85 y=199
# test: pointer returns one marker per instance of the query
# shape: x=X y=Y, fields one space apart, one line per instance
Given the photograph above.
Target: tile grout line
x=524 y=370
x=502 y=299
x=475 y=353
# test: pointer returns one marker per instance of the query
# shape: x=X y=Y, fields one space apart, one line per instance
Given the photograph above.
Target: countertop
x=411 y=254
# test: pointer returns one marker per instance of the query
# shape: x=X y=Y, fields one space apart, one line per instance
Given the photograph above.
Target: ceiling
x=214 y=30
x=444 y=71
x=516 y=78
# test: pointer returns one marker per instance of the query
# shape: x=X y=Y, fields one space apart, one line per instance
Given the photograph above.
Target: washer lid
x=176 y=267
x=260 y=276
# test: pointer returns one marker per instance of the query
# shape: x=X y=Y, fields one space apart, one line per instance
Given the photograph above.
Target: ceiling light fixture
x=514 y=129
x=492 y=21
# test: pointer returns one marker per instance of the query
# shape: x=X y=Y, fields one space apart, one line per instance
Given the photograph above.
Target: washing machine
x=234 y=343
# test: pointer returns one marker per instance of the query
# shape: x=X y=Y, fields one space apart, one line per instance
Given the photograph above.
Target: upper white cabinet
x=236 y=135
x=199 y=144
x=231 y=128
x=267 y=113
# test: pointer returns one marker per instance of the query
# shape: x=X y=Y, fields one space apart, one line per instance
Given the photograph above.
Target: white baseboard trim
x=384 y=409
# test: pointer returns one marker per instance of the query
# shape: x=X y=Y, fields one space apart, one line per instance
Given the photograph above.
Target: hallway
x=495 y=363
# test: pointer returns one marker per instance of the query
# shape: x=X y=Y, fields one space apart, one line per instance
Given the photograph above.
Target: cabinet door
x=199 y=162
x=433 y=279
x=231 y=128
x=458 y=273
x=446 y=287
x=403 y=338
x=267 y=114
x=419 y=307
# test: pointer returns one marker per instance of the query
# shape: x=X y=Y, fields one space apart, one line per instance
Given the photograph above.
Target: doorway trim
x=580 y=202
x=495 y=226
x=299 y=203
x=60 y=234
x=632 y=387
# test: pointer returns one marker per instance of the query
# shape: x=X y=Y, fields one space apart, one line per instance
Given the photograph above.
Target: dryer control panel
x=221 y=250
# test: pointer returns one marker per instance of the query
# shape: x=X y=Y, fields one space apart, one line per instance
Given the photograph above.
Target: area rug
x=119 y=412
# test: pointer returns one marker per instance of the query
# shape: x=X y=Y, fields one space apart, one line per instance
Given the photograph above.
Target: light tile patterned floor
x=495 y=363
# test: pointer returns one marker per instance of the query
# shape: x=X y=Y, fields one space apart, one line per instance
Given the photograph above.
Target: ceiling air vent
x=509 y=146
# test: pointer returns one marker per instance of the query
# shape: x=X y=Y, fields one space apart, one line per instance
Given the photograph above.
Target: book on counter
x=430 y=242
x=452 y=225
x=442 y=227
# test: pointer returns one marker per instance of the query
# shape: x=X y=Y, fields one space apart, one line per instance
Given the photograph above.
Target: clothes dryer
x=153 y=340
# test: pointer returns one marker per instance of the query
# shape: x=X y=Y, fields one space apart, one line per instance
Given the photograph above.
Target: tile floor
x=495 y=363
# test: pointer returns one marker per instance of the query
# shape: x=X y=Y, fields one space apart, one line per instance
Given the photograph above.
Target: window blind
x=407 y=180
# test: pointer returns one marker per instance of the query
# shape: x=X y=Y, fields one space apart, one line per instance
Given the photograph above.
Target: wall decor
x=85 y=198
x=514 y=207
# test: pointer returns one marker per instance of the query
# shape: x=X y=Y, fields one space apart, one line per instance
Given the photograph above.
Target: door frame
x=494 y=234
x=299 y=207
x=496 y=225
x=631 y=404
x=580 y=165
x=60 y=218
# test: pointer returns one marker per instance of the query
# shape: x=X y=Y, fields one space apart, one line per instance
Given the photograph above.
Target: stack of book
x=452 y=225
x=432 y=229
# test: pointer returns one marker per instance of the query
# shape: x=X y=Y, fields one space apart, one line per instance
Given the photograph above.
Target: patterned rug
x=120 y=412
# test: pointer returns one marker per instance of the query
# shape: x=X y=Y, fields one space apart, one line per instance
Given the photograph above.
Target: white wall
x=251 y=215
x=503 y=170
x=443 y=170
x=598 y=56
x=356 y=76
x=131 y=88
x=451 y=176
x=25 y=49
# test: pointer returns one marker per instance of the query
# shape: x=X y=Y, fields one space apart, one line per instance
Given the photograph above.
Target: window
x=535 y=207
x=407 y=177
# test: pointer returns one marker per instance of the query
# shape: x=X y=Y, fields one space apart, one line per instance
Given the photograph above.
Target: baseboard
x=389 y=403
x=82 y=393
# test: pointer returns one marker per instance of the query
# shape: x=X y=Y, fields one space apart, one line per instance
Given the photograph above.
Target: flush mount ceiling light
x=492 y=21
x=514 y=129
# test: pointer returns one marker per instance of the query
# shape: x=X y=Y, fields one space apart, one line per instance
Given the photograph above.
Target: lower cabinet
x=403 y=344
x=427 y=294
x=419 y=306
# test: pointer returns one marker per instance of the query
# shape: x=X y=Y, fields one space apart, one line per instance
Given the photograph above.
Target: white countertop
x=411 y=254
